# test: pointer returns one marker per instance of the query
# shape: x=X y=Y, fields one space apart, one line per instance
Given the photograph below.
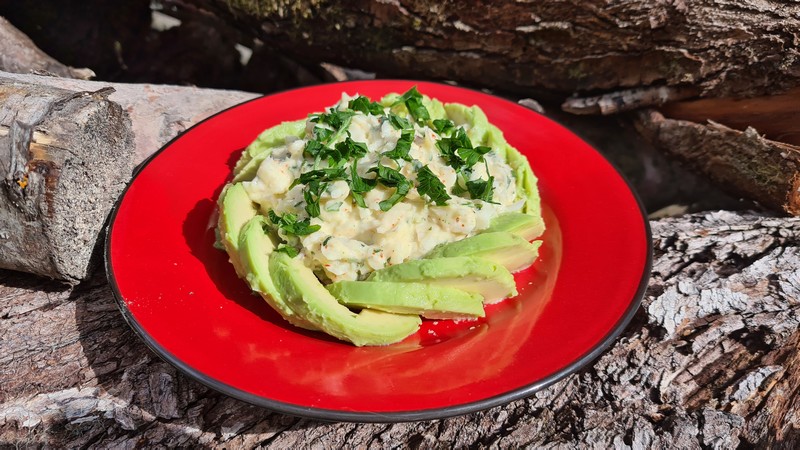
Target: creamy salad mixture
x=351 y=241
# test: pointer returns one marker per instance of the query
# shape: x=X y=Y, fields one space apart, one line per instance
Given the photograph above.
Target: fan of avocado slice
x=453 y=281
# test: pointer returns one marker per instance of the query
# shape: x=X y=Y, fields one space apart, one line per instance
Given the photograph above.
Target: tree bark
x=711 y=360
x=626 y=56
x=68 y=148
x=720 y=47
x=743 y=161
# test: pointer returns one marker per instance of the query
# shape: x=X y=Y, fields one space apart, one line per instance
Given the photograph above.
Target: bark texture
x=711 y=360
x=742 y=161
x=67 y=149
x=66 y=155
x=722 y=47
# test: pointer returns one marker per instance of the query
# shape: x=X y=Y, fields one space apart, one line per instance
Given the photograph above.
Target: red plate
x=183 y=298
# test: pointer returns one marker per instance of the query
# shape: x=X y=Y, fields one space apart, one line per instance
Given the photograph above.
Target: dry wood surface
x=710 y=361
x=68 y=148
x=722 y=47
x=744 y=162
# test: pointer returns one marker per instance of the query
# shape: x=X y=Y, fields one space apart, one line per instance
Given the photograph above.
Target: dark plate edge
x=375 y=417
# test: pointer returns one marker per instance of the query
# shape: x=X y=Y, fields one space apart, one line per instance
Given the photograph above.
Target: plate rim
x=376 y=417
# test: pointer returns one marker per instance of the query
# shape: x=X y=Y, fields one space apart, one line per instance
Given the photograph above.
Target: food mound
x=360 y=219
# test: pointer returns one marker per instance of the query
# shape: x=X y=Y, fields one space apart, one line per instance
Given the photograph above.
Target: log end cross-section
x=64 y=158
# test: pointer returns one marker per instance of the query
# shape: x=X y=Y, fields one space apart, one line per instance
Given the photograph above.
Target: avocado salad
x=358 y=220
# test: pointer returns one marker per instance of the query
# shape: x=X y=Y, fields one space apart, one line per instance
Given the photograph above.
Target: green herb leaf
x=399 y=123
x=399 y=194
x=481 y=189
x=429 y=184
x=364 y=105
x=447 y=148
x=322 y=175
x=443 y=126
x=359 y=186
x=322 y=134
x=359 y=199
x=312 y=200
x=413 y=101
x=291 y=251
x=458 y=187
x=387 y=176
x=336 y=119
x=289 y=224
x=460 y=138
x=403 y=146
x=471 y=156
x=391 y=178
x=316 y=149
x=350 y=149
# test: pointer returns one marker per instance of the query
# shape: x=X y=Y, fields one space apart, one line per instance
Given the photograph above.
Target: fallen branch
x=68 y=148
x=742 y=161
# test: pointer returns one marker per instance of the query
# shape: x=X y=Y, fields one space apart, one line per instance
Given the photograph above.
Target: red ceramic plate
x=182 y=296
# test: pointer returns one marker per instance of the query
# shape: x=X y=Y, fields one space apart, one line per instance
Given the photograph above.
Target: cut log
x=722 y=48
x=711 y=360
x=67 y=149
x=66 y=157
x=744 y=162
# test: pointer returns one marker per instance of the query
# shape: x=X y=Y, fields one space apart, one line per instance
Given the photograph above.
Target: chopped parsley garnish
x=472 y=156
x=321 y=175
x=364 y=105
x=399 y=194
x=322 y=134
x=399 y=123
x=316 y=149
x=443 y=126
x=291 y=251
x=454 y=146
x=391 y=178
x=450 y=146
x=481 y=189
x=387 y=176
x=289 y=224
x=337 y=120
x=429 y=184
x=311 y=195
x=413 y=101
x=403 y=146
x=350 y=149
x=359 y=186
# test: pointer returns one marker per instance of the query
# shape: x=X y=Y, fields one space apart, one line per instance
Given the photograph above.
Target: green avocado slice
x=269 y=139
x=298 y=285
x=235 y=210
x=481 y=276
x=429 y=301
x=249 y=171
x=255 y=248
x=525 y=226
x=526 y=181
x=511 y=251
